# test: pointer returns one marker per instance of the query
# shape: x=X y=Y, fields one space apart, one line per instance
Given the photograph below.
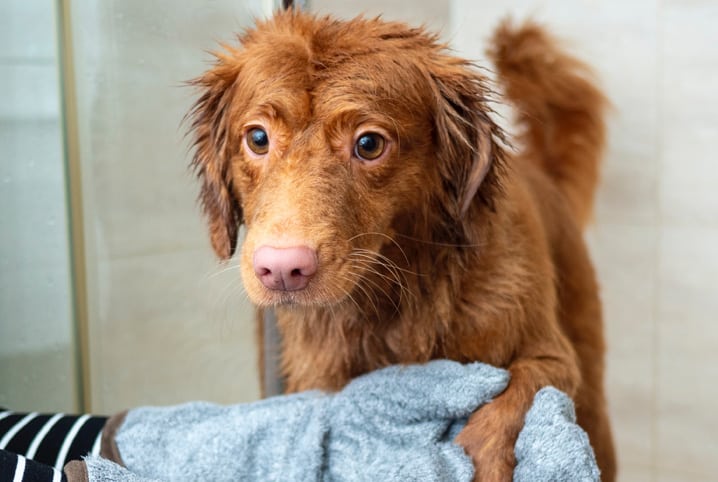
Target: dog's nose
x=285 y=269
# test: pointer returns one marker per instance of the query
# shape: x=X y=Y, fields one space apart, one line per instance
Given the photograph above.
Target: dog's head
x=323 y=137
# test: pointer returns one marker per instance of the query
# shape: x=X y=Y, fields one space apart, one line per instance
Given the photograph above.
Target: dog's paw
x=489 y=440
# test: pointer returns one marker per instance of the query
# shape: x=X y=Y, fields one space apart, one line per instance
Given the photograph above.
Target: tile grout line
x=657 y=282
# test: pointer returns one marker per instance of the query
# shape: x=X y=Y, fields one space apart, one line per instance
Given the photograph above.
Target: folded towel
x=394 y=424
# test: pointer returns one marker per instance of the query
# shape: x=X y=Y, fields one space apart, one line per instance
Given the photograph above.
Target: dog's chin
x=300 y=298
x=311 y=296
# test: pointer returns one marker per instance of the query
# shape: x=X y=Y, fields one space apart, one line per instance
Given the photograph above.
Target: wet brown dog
x=386 y=223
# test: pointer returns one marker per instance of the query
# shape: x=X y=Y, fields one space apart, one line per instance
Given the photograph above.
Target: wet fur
x=451 y=247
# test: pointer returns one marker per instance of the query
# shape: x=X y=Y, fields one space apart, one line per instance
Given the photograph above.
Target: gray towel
x=394 y=424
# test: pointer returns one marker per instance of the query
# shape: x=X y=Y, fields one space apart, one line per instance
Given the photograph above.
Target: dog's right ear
x=467 y=137
x=210 y=124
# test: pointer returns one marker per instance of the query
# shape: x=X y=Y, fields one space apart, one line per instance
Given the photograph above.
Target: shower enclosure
x=109 y=293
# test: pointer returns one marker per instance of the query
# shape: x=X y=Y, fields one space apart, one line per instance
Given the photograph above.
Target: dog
x=389 y=222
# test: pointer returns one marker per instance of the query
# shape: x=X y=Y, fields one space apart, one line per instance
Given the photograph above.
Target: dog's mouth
x=318 y=292
x=363 y=277
x=291 y=298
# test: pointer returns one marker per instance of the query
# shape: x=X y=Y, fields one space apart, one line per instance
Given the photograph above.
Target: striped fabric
x=37 y=446
x=17 y=468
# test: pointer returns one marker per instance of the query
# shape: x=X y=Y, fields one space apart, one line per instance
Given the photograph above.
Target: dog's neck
x=386 y=320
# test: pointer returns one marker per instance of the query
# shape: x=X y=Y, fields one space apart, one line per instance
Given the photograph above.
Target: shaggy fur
x=447 y=246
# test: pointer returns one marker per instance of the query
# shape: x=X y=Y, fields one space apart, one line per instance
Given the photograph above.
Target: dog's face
x=322 y=137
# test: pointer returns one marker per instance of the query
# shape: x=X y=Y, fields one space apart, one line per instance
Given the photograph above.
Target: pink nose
x=285 y=269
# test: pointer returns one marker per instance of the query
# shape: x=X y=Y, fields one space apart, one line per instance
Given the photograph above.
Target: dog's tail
x=560 y=110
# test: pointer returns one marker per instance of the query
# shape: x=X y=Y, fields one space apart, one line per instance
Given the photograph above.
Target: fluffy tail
x=559 y=108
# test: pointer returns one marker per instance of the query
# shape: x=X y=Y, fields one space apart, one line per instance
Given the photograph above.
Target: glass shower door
x=165 y=323
x=38 y=362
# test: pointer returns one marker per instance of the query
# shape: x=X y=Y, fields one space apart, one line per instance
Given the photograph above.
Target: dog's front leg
x=491 y=432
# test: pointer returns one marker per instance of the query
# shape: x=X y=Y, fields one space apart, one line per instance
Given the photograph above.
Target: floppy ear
x=210 y=118
x=467 y=138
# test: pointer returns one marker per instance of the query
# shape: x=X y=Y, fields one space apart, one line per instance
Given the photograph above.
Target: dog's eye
x=258 y=140
x=369 y=146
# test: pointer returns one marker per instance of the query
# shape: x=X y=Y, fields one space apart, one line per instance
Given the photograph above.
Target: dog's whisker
x=394 y=277
x=382 y=290
x=364 y=290
x=226 y=300
x=222 y=270
x=384 y=235
x=369 y=265
x=236 y=288
x=358 y=306
x=378 y=257
x=351 y=298
x=389 y=265
x=438 y=243
x=374 y=255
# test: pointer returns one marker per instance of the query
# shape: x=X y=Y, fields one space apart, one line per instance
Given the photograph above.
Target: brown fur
x=447 y=248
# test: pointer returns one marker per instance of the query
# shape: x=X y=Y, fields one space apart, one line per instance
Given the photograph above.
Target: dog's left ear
x=210 y=124
x=465 y=135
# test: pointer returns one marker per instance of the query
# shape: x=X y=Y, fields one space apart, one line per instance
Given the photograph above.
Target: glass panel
x=166 y=323
x=37 y=348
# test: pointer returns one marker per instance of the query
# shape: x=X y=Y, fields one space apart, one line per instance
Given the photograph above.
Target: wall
x=656 y=225
x=37 y=350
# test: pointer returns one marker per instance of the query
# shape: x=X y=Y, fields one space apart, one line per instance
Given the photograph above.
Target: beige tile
x=625 y=260
x=686 y=424
x=684 y=476
x=690 y=120
x=627 y=191
x=171 y=328
x=687 y=338
x=630 y=172
x=434 y=14
x=630 y=393
x=629 y=176
x=688 y=270
x=582 y=25
x=630 y=472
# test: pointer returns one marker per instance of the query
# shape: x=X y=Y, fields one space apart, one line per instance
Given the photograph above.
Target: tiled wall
x=656 y=231
x=37 y=351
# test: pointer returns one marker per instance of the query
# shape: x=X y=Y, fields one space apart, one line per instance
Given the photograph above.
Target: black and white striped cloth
x=35 y=447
